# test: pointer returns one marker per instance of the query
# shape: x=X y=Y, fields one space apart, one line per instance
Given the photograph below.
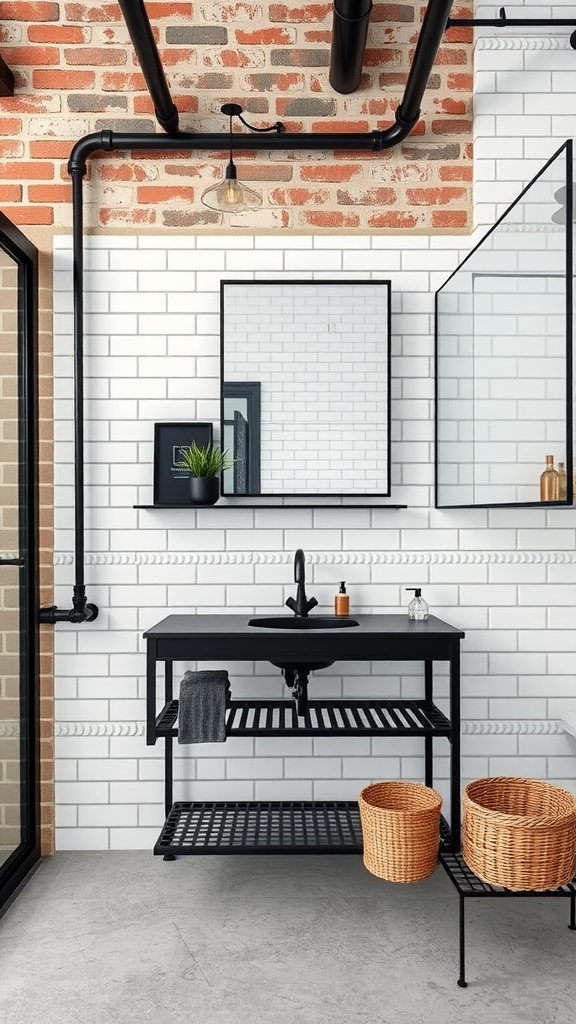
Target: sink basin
x=298 y=622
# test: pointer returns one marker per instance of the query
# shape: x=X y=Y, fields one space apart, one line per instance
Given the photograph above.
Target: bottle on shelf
x=342 y=601
x=418 y=608
x=549 y=481
x=562 y=482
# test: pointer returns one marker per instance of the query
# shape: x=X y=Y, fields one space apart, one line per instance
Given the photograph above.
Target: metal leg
x=150 y=692
x=428 y=753
x=168 y=750
x=572 y=925
x=455 y=806
x=462 y=979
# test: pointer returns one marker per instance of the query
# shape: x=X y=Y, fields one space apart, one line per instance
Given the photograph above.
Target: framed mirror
x=305 y=387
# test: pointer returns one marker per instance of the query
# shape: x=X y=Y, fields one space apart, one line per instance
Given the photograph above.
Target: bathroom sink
x=300 y=622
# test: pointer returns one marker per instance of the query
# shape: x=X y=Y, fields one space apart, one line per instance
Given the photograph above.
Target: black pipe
x=433 y=26
x=349 y=31
x=138 y=25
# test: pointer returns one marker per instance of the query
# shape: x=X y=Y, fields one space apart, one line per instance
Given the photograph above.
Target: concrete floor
x=125 y=938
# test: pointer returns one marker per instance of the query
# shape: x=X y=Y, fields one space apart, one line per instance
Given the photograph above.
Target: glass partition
x=504 y=356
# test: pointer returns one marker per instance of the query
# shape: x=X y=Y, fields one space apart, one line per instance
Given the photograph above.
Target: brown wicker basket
x=519 y=833
x=401 y=830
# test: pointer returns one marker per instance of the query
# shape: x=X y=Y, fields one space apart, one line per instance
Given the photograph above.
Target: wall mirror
x=305 y=371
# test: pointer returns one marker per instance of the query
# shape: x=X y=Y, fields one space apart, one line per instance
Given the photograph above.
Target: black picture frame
x=170 y=483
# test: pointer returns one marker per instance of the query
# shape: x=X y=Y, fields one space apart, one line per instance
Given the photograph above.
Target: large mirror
x=306 y=387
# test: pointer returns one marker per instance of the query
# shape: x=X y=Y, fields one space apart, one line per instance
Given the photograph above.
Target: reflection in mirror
x=502 y=357
x=305 y=387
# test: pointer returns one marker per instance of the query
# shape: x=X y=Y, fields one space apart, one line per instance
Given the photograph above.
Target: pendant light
x=231 y=195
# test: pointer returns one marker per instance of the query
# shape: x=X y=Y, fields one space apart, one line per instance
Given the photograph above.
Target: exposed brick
x=58 y=34
x=170 y=9
x=190 y=218
x=29 y=11
x=450 y=151
x=10 y=193
x=10 y=125
x=99 y=12
x=127 y=125
x=448 y=105
x=124 y=171
x=456 y=173
x=26 y=169
x=299 y=196
x=51 y=148
x=173 y=57
x=31 y=104
x=300 y=58
x=318 y=35
x=305 y=107
x=234 y=58
x=164 y=193
x=309 y=12
x=185 y=104
x=451 y=127
x=197 y=35
x=96 y=103
x=59 y=127
x=398 y=220
x=31 y=55
x=451 y=55
x=434 y=196
x=450 y=219
x=459 y=82
x=266 y=37
x=395 y=79
x=270 y=82
x=340 y=126
x=29 y=214
x=50 y=193
x=120 y=81
x=375 y=58
x=264 y=172
x=95 y=55
x=331 y=172
x=380 y=196
x=204 y=80
x=393 y=13
x=186 y=170
x=117 y=215
x=59 y=79
x=328 y=219
x=250 y=104
x=11 y=148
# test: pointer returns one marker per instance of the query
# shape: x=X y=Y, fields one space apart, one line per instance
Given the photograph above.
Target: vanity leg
x=462 y=979
x=150 y=692
x=572 y=925
x=428 y=695
x=168 y=743
x=455 y=805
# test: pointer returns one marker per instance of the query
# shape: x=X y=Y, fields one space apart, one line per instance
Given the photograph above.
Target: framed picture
x=171 y=482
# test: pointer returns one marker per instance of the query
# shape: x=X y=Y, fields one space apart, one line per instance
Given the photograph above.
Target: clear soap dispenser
x=417 y=609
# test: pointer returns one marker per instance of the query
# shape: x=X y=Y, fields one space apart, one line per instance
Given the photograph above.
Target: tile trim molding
x=532 y=727
x=321 y=558
x=523 y=43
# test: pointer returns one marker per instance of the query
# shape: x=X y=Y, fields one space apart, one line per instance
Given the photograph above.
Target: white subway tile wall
x=507 y=577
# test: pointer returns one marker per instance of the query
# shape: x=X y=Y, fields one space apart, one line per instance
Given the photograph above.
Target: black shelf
x=468 y=884
x=225 y=827
x=191 y=507
x=324 y=717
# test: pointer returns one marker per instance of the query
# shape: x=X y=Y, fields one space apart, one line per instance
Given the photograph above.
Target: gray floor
x=126 y=938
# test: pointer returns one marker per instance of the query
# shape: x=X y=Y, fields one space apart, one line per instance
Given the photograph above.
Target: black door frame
x=15 y=244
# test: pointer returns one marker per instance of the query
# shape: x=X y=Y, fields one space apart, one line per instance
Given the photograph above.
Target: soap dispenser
x=342 y=601
x=417 y=609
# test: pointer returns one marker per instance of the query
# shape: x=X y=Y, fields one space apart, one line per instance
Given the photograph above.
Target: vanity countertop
x=178 y=626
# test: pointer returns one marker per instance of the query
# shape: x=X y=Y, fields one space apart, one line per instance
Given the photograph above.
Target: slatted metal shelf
x=468 y=884
x=274 y=827
x=325 y=717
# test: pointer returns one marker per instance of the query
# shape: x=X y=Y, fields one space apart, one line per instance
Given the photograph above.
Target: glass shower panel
x=503 y=356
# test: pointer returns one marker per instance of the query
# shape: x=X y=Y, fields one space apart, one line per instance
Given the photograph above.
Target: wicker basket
x=519 y=833
x=401 y=830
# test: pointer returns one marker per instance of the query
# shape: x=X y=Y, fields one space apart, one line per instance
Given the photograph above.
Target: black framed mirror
x=305 y=387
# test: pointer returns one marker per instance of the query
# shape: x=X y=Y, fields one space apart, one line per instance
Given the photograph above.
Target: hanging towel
x=204 y=697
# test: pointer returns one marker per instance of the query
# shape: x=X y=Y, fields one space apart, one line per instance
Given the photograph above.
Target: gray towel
x=204 y=697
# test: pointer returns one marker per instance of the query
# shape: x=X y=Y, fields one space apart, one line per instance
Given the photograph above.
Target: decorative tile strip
x=556 y=42
x=321 y=558
x=532 y=727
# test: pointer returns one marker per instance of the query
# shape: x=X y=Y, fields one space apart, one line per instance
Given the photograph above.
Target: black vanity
x=300 y=826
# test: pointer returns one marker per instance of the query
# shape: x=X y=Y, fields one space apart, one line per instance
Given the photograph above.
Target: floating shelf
x=468 y=884
x=276 y=827
x=324 y=717
x=246 y=505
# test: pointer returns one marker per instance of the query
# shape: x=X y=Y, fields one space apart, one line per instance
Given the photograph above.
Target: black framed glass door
x=19 y=712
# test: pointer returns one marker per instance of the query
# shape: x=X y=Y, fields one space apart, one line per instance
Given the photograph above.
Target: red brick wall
x=76 y=72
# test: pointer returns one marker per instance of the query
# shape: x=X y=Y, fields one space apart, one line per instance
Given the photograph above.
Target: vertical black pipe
x=349 y=31
x=138 y=25
x=433 y=27
x=78 y=291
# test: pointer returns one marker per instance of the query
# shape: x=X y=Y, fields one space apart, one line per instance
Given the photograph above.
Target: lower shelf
x=275 y=827
x=468 y=884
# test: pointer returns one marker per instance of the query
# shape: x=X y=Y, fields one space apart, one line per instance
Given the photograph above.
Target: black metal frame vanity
x=201 y=827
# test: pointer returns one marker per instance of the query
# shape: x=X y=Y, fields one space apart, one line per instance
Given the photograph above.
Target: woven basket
x=401 y=830
x=519 y=833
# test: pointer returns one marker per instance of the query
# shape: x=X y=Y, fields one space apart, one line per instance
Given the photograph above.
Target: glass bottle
x=562 y=482
x=549 y=481
x=418 y=607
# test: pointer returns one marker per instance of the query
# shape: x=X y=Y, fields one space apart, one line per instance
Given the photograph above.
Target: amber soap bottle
x=549 y=481
x=342 y=601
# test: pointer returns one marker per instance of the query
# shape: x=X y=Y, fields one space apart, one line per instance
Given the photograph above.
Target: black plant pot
x=204 y=490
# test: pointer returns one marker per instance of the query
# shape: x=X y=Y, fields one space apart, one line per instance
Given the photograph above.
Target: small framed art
x=171 y=482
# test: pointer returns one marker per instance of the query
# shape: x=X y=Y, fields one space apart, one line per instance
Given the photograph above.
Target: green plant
x=207 y=461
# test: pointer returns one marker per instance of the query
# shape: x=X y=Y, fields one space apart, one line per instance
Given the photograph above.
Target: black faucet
x=301 y=606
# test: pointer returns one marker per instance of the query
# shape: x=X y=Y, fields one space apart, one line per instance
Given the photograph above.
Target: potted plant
x=204 y=465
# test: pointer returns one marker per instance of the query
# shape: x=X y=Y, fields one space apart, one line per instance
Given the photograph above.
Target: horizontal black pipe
x=138 y=25
x=507 y=22
x=349 y=31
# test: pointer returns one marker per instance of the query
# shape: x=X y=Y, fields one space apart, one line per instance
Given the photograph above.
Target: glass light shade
x=231 y=195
